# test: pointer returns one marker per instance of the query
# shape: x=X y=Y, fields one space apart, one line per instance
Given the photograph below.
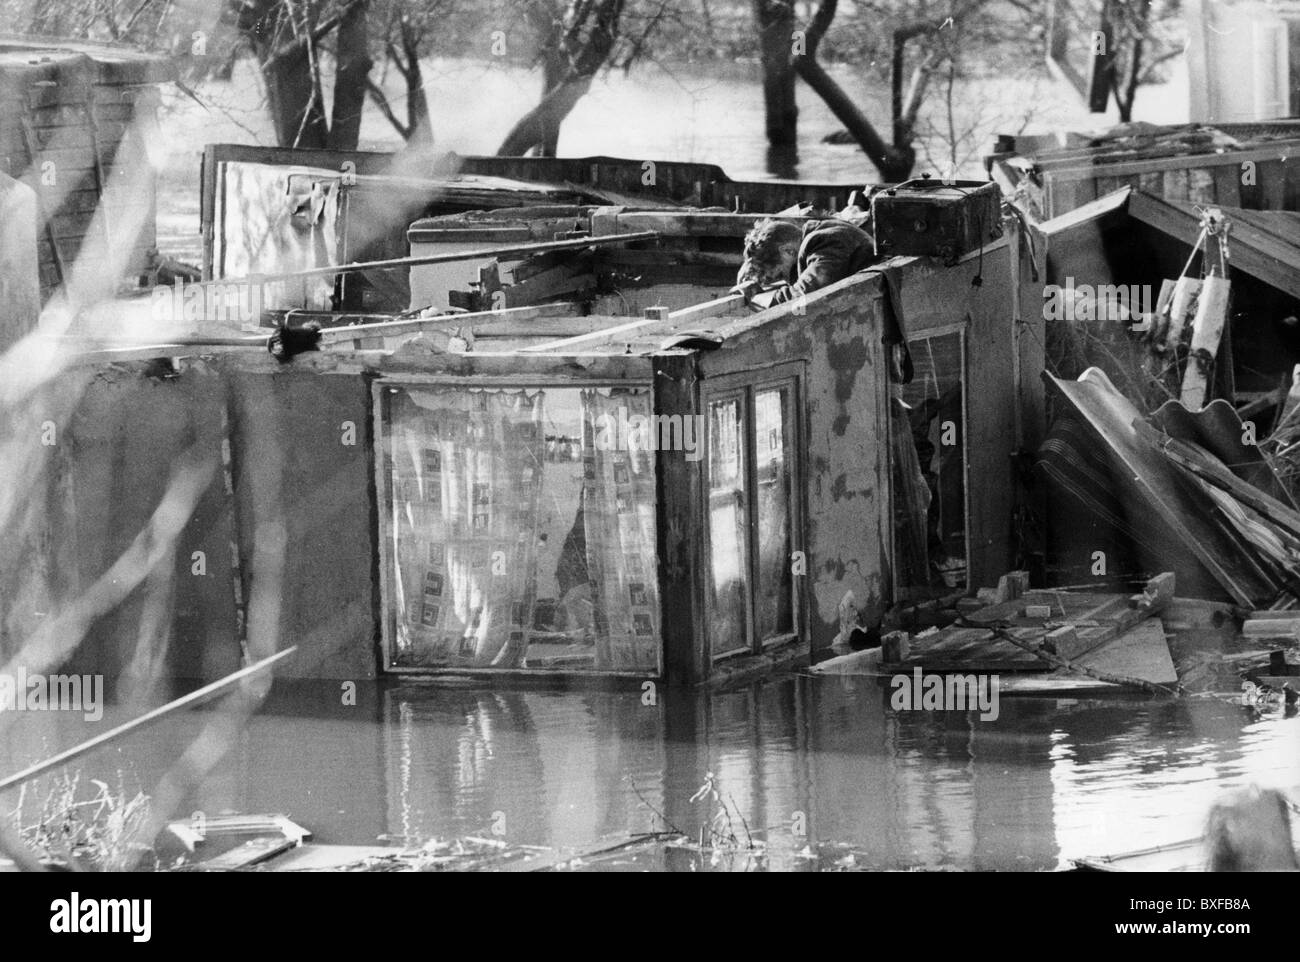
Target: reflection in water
x=1046 y=781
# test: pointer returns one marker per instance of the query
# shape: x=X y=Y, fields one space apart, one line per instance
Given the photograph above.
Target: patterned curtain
x=618 y=500
x=466 y=475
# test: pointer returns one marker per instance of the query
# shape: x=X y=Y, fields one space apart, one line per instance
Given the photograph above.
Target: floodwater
x=817 y=768
x=806 y=765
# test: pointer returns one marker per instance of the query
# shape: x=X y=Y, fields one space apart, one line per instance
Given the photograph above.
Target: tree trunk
x=576 y=46
x=353 y=66
x=418 y=120
x=296 y=110
x=541 y=125
x=554 y=69
x=775 y=21
x=1124 y=98
x=285 y=64
x=894 y=163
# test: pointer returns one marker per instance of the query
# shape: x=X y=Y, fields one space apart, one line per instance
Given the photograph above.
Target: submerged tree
x=917 y=25
x=575 y=40
x=775 y=20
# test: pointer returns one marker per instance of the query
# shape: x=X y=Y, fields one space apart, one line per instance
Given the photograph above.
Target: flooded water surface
x=820 y=770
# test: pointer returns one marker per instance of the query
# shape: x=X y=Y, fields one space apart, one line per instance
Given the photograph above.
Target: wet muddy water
x=802 y=764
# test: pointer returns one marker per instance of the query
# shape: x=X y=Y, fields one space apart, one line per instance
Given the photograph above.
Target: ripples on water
x=1048 y=780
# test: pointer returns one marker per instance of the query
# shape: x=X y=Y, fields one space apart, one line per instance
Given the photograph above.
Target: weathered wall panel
x=304 y=496
x=845 y=431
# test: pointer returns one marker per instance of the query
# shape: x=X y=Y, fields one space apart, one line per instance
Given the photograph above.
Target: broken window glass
x=935 y=415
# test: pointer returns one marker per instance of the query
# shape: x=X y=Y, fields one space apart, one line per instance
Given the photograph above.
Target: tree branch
x=380 y=100
x=312 y=37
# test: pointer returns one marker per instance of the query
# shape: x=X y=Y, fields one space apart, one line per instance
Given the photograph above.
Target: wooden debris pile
x=1049 y=641
x=1185 y=491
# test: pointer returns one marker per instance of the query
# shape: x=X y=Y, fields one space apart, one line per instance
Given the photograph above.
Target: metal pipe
x=198 y=697
x=542 y=247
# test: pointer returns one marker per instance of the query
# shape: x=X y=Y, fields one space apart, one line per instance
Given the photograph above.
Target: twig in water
x=646 y=802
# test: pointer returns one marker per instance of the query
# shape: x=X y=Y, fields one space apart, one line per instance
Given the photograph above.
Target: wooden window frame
x=383 y=499
x=745 y=386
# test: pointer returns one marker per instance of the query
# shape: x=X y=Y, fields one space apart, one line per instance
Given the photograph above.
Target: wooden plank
x=552 y=283
x=1256 y=250
x=507 y=316
x=722 y=305
x=1071 y=169
x=246 y=855
x=1202 y=464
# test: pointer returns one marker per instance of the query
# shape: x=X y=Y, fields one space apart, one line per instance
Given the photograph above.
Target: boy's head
x=1249 y=830
x=771 y=248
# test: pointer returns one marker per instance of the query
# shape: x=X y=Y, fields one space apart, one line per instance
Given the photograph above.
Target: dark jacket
x=830 y=251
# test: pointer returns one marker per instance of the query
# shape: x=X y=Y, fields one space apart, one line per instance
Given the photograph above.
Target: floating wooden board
x=1094 y=619
x=246 y=855
x=1183 y=856
x=959 y=649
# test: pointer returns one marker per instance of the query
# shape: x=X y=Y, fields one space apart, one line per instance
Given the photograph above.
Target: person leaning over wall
x=791 y=262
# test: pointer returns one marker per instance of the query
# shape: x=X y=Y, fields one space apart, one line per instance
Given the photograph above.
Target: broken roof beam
x=1260 y=244
x=513 y=318
x=714 y=308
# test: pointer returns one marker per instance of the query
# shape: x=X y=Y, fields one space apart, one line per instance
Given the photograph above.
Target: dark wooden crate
x=933 y=219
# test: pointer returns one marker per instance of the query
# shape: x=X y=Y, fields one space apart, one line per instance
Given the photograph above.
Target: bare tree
x=1140 y=44
x=894 y=158
x=405 y=26
x=287 y=38
x=576 y=39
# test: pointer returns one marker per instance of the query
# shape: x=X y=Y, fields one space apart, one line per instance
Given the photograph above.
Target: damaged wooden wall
x=275 y=547
x=74 y=121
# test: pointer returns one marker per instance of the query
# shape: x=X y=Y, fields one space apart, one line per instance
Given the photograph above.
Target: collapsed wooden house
x=602 y=466
x=1171 y=407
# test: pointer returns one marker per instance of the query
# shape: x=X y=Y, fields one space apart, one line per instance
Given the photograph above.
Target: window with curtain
x=519 y=529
